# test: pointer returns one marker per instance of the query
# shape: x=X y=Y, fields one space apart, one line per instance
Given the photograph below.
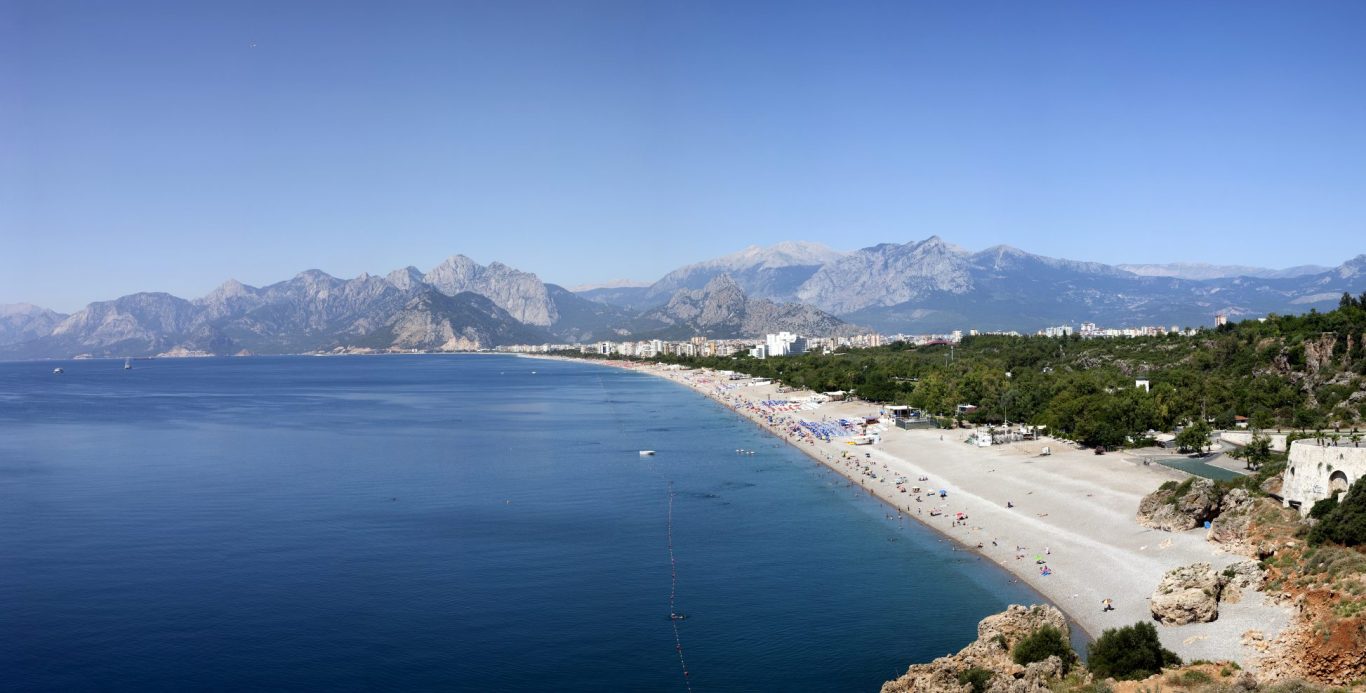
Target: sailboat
x=128 y=364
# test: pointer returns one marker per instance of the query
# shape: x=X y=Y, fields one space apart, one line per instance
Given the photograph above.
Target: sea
x=443 y=522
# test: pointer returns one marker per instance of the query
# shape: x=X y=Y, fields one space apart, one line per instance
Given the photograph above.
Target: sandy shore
x=1073 y=509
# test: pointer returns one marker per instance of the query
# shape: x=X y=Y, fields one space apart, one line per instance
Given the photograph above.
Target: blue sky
x=169 y=146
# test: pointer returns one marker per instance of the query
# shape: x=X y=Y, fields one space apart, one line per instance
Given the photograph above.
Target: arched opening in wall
x=1337 y=483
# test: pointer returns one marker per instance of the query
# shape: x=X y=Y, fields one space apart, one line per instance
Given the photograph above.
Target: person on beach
x=1107 y=605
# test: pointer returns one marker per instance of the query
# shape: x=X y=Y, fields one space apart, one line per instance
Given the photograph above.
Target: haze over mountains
x=918 y=287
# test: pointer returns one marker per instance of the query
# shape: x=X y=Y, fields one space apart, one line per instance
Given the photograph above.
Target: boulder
x=1230 y=528
x=1033 y=678
x=1177 y=507
x=1189 y=594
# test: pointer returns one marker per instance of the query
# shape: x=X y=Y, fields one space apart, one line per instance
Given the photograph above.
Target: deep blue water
x=441 y=522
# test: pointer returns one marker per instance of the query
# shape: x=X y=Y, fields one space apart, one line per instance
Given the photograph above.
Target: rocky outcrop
x=1318 y=353
x=1177 y=507
x=1240 y=577
x=996 y=635
x=1189 y=594
x=1231 y=528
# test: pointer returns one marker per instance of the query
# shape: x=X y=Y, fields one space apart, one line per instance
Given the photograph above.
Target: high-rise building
x=784 y=344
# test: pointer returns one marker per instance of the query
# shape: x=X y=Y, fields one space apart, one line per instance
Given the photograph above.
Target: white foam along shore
x=1072 y=509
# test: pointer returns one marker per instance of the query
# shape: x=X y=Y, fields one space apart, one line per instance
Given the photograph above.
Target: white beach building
x=1316 y=472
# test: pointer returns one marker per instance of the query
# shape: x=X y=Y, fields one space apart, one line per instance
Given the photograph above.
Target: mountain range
x=925 y=286
x=457 y=305
x=933 y=286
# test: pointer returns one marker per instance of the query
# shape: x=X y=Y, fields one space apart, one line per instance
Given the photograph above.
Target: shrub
x=1344 y=524
x=977 y=677
x=1323 y=507
x=1129 y=653
x=1190 y=678
x=1042 y=644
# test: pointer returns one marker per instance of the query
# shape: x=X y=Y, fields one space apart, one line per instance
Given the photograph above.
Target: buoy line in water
x=654 y=466
x=674 y=616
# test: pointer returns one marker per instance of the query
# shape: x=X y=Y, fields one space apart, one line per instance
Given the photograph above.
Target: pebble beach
x=1064 y=523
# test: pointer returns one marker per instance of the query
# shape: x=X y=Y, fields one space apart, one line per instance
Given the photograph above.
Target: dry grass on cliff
x=1328 y=583
x=1198 y=677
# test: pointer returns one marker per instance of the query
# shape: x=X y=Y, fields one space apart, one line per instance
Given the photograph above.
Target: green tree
x=1344 y=522
x=1261 y=420
x=1194 y=437
x=1129 y=653
x=1257 y=452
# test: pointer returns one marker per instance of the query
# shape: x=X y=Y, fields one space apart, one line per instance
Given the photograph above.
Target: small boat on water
x=647 y=453
x=128 y=364
x=57 y=371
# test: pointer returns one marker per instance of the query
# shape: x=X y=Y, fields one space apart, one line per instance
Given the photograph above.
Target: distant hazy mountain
x=772 y=272
x=458 y=304
x=1200 y=270
x=931 y=286
x=721 y=309
x=137 y=324
x=613 y=284
x=519 y=293
x=935 y=286
x=21 y=322
x=917 y=287
x=433 y=321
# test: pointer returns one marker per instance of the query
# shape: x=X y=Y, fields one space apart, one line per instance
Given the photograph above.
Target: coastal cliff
x=986 y=663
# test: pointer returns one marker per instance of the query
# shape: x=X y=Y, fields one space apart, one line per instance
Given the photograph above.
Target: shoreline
x=1087 y=535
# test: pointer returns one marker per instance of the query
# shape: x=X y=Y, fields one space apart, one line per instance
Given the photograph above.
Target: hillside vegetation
x=1304 y=372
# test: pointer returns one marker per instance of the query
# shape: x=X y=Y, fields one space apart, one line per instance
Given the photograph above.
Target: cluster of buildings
x=789 y=344
x=1090 y=330
x=780 y=344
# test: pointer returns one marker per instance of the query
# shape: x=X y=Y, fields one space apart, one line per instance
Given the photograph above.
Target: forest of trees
x=1284 y=371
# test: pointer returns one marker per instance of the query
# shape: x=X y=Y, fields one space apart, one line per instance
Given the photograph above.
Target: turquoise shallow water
x=441 y=522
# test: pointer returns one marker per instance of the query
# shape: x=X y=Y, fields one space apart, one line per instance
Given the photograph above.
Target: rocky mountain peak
x=20 y=322
x=521 y=294
x=314 y=277
x=722 y=283
x=405 y=279
x=228 y=289
x=1352 y=268
x=721 y=309
x=887 y=275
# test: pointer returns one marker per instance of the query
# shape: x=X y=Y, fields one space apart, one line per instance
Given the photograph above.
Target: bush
x=1323 y=507
x=1344 y=524
x=1129 y=653
x=977 y=677
x=1189 y=679
x=1042 y=644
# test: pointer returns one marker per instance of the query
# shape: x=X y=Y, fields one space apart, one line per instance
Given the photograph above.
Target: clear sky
x=170 y=146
